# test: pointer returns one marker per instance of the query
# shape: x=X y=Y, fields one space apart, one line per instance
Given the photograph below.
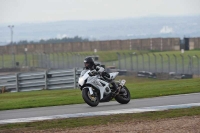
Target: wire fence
x=151 y=62
x=43 y=60
x=158 y=63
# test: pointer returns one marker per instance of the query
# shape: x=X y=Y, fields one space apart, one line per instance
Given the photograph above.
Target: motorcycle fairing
x=97 y=83
x=113 y=75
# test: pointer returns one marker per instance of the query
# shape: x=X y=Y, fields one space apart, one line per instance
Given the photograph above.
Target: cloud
x=59 y=36
x=166 y=30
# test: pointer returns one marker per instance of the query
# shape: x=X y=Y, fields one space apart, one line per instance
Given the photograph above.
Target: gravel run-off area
x=186 y=124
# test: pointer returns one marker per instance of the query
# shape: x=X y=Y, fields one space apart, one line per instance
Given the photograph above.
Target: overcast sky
x=22 y=11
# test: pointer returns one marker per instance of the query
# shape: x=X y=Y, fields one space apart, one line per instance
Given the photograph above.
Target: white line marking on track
x=100 y=113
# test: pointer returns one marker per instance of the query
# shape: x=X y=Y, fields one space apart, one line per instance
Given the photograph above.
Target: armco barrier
x=8 y=82
x=52 y=79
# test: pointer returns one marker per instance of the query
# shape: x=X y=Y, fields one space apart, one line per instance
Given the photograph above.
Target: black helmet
x=89 y=62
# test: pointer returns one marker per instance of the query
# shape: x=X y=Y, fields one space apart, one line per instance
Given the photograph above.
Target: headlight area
x=81 y=81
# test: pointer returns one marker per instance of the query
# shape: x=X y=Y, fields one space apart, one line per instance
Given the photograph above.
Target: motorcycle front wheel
x=92 y=100
x=124 y=97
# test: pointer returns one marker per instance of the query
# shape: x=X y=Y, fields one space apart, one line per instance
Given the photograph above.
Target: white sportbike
x=97 y=89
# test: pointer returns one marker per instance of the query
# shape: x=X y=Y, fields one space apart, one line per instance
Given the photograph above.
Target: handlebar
x=92 y=73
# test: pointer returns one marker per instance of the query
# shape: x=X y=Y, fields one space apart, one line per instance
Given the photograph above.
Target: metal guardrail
x=51 y=79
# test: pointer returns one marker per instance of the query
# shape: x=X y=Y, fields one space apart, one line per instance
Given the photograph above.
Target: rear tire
x=123 y=98
x=91 y=100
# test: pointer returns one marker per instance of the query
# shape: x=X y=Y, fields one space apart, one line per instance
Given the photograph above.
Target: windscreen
x=83 y=72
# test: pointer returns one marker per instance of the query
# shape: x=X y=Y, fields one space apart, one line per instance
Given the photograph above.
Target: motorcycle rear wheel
x=92 y=100
x=125 y=97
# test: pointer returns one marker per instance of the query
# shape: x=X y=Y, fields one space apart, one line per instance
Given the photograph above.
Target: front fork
x=91 y=91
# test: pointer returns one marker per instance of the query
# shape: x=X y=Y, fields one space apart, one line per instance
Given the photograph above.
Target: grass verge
x=102 y=120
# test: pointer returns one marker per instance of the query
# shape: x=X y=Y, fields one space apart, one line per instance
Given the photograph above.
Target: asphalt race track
x=185 y=100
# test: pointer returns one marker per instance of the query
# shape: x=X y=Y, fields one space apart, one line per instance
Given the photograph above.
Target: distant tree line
x=53 y=41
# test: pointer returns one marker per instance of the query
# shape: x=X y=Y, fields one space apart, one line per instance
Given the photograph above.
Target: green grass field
x=139 y=88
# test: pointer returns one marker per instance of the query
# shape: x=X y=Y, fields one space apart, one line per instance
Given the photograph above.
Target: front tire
x=92 y=100
x=124 y=97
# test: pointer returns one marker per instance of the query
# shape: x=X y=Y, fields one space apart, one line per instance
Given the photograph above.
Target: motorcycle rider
x=89 y=64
